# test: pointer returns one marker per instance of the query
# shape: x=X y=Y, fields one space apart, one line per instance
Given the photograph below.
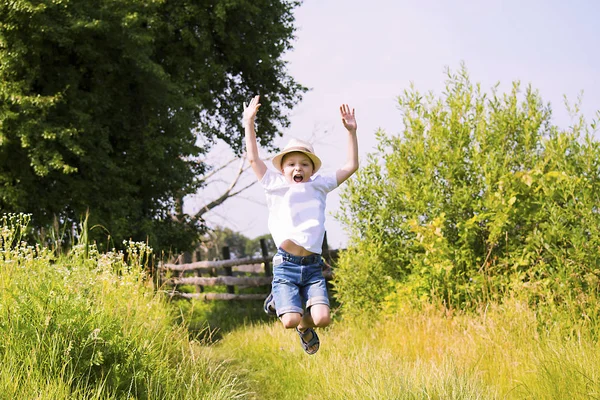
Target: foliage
x=87 y=326
x=109 y=106
x=481 y=196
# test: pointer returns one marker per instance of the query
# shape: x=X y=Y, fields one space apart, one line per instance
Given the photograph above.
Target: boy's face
x=297 y=167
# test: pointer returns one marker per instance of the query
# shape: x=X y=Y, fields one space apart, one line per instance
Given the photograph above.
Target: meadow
x=88 y=325
x=501 y=352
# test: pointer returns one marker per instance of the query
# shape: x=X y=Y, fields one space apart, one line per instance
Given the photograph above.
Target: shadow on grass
x=209 y=320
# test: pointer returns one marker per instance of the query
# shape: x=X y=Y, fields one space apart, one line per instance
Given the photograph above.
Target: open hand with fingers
x=348 y=118
x=250 y=110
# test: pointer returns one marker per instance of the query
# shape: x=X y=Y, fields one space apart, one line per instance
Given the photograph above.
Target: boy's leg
x=317 y=310
x=309 y=338
x=269 y=305
x=317 y=301
x=320 y=314
x=291 y=320
x=291 y=284
x=285 y=291
x=316 y=316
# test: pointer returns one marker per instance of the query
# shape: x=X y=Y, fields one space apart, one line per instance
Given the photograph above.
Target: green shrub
x=480 y=196
x=87 y=325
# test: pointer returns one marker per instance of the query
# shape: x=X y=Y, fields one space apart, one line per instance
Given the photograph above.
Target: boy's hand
x=251 y=109
x=348 y=118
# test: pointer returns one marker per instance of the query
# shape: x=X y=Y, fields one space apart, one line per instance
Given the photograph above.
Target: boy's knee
x=320 y=315
x=322 y=321
x=290 y=320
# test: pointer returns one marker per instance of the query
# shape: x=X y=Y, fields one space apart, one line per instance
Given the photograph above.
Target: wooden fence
x=241 y=273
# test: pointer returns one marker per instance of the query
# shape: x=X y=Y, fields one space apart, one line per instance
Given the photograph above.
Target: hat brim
x=279 y=157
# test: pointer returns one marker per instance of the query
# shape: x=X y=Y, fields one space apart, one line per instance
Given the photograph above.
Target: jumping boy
x=296 y=201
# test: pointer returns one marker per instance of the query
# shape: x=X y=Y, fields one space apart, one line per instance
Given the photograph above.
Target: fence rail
x=221 y=280
x=208 y=266
x=254 y=271
x=218 y=296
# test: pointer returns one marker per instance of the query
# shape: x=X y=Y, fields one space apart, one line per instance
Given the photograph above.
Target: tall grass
x=500 y=353
x=86 y=326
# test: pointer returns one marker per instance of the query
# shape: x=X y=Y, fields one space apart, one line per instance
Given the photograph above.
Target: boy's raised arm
x=250 y=110
x=351 y=164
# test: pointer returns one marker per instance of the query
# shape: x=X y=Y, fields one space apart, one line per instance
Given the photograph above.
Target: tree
x=109 y=106
x=235 y=186
x=481 y=197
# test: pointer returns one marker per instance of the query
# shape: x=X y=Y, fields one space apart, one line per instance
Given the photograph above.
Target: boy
x=296 y=202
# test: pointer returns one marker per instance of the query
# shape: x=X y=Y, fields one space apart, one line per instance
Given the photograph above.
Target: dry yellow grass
x=427 y=354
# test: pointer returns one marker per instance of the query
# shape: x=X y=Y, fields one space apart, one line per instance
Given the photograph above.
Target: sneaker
x=269 y=305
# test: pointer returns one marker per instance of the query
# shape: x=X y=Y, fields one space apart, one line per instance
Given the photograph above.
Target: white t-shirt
x=297 y=210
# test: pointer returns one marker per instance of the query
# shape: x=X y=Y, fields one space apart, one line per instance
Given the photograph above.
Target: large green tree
x=108 y=106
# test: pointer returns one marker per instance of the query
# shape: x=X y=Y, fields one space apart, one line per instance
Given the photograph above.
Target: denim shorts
x=298 y=283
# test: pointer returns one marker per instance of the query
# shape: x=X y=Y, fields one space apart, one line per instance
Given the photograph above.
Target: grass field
x=89 y=326
x=499 y=353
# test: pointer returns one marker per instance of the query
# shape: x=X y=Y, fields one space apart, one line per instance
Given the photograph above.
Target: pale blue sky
x=366 y=53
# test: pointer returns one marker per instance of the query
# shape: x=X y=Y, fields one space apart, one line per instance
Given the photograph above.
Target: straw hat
x=300 y=146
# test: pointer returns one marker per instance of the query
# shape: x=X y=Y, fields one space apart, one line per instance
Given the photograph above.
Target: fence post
x=265 y=254
x=197 y=257
x=228 y=270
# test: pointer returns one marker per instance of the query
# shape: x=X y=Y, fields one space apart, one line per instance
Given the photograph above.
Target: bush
x=480 y=197
x=86 y=325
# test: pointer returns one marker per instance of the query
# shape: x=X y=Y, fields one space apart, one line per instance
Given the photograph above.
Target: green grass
x=88 y=326
x=499 y=354
x=209 y=321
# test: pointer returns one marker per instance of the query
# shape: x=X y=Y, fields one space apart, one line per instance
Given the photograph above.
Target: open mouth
x=298 y=178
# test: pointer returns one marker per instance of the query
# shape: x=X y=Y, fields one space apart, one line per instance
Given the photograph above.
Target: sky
x=366 y=53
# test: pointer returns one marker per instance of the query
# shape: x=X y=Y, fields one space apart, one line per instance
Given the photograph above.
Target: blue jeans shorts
x=298 y=283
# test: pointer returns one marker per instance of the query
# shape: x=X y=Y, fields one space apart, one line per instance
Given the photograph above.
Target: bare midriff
x=294 y=249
